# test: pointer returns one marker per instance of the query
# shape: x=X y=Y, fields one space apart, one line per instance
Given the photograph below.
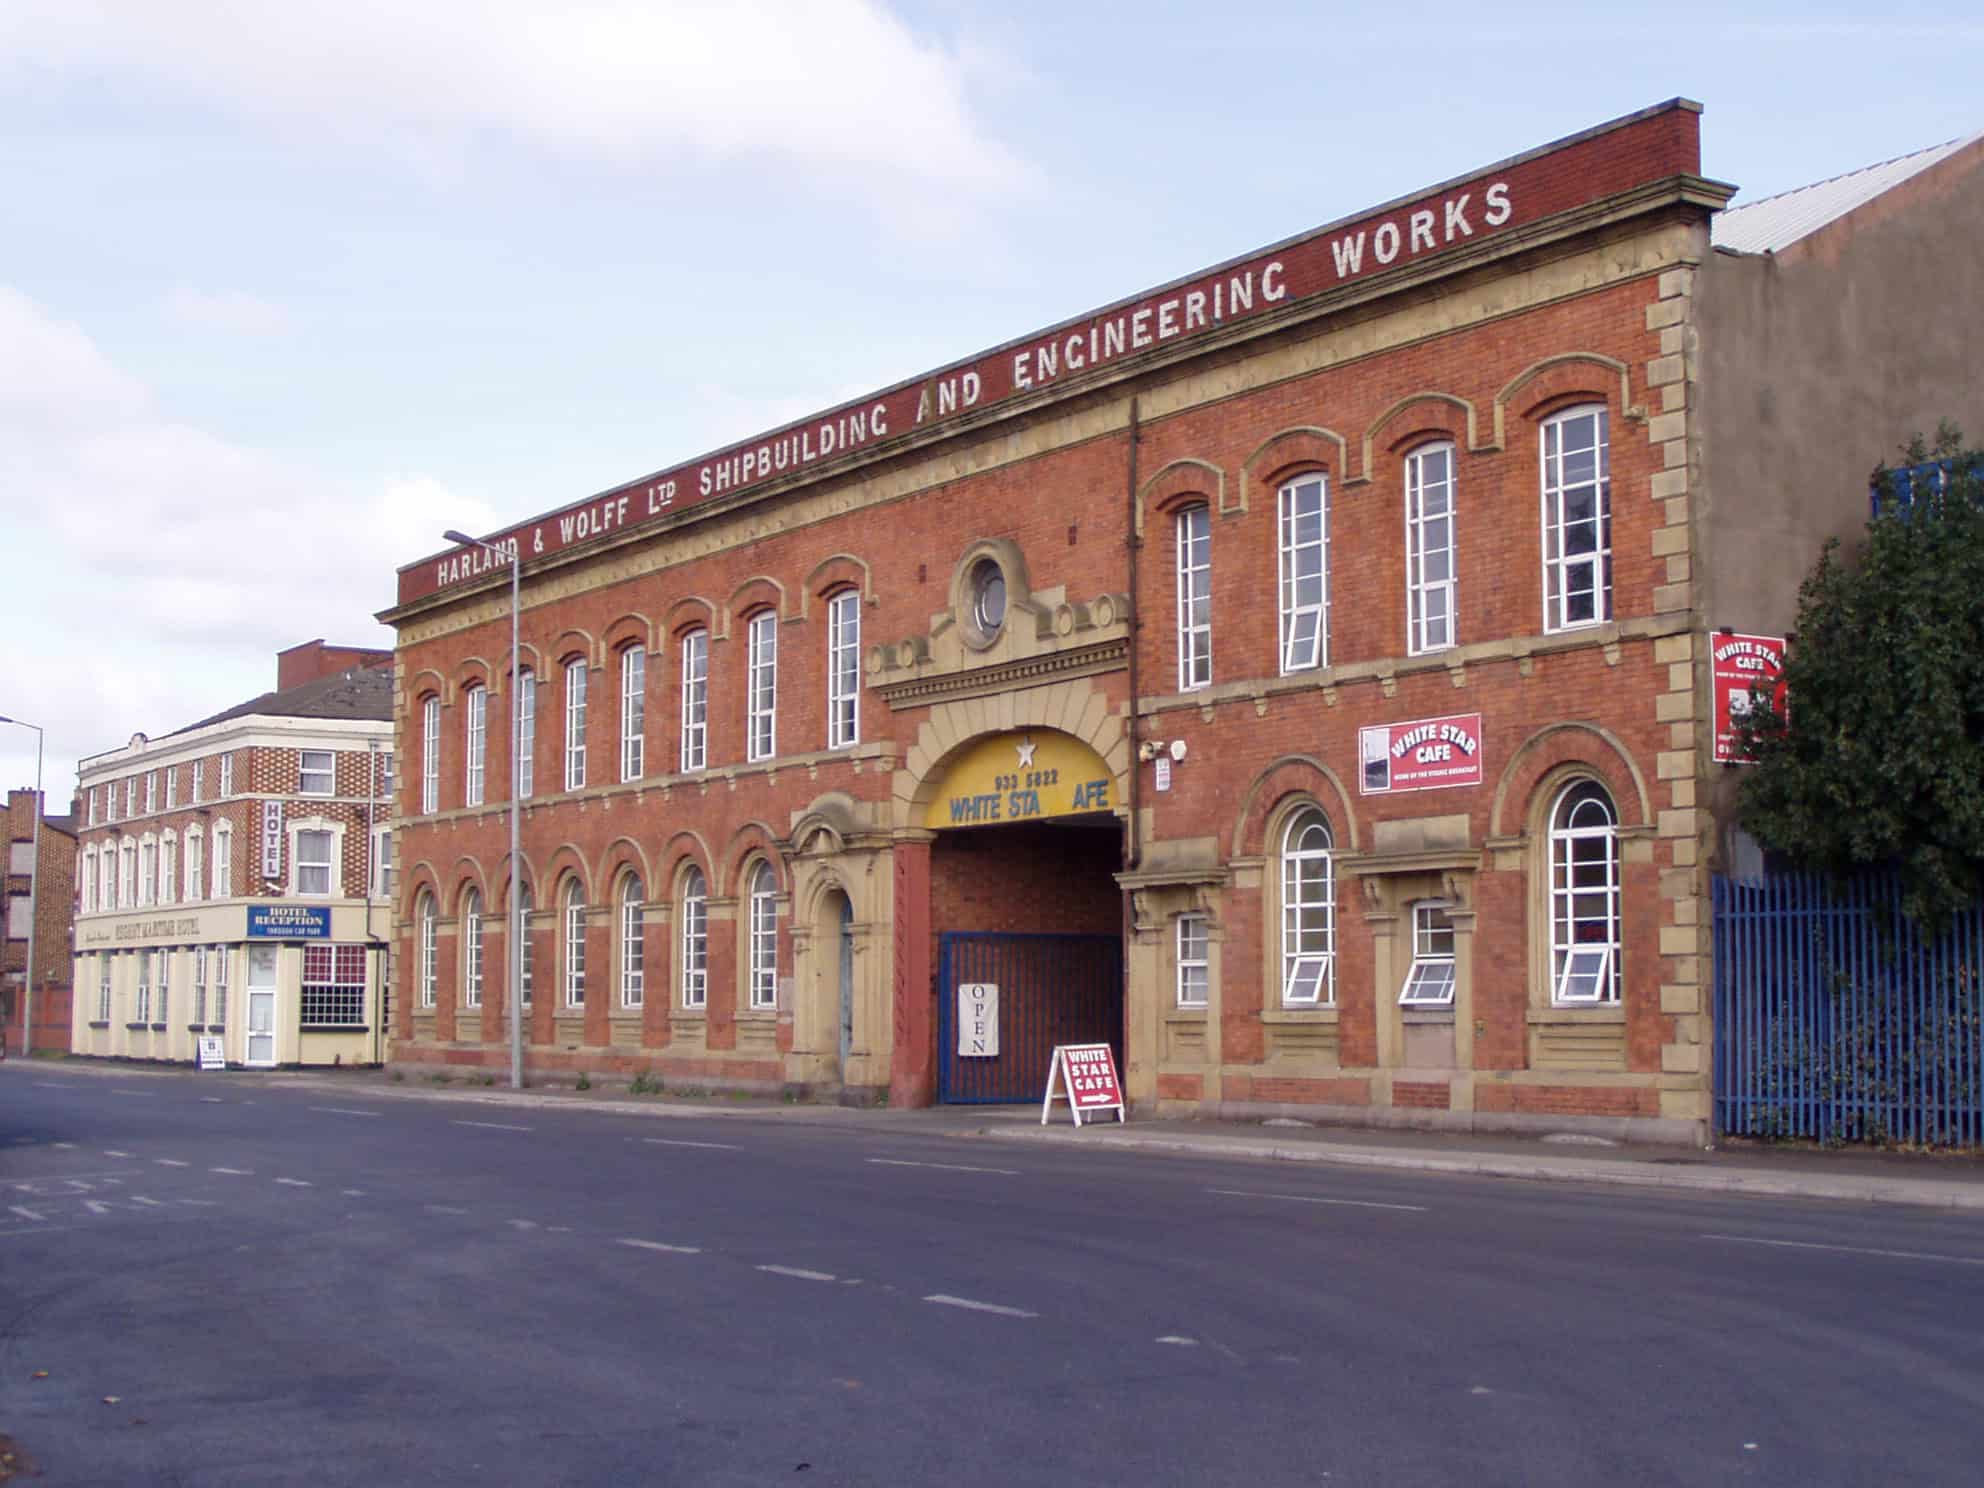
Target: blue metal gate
x=1053 y=989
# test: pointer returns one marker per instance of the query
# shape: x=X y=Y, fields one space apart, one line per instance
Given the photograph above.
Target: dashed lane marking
x=297 y=1182
x=521 y=1224
x=25 y=1212
x=352 y=1193
x=202 y=1203
x=993 y=1307
x=799 y=1272
x=234 y=1172
x=443 y=1209
x=491 y=1125
x=96 y=1206
x=171 y=1162
x=657 y=1245
x=672 y=1142
x=63 y=1146
x=1180 y=1340
x=1248 y=1193
x=897 y=1162
x=108 y=1152
x=148 y=1203
x=1895 y=1255
x=211 y=1100
x=51 y=1084
x=341 y=1111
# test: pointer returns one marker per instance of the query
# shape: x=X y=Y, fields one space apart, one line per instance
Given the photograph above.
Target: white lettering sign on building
x=978 y=1020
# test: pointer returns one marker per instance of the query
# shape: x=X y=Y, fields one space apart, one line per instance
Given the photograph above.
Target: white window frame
x=1194 y=960
x=572 y=943
x=430 y=756
x=575 y=724
x=1429 y=981
x=762 y=930
x=162 y=1002
x=472 y=929
x=141 y=997
x=171 y=787
x=1584 y=835
x=844 y=669
x=380 y=869
x=633 y=954
x=151 y=792
x=327 y=773
x=426 y=951
x=94 y=796
x=1593 y=566
x=217 y=1012
x=520 y=924
x=127 y=873
x=695 y=941
x=526 y=741
x=221 y=872
x=86 y=888
x=1431 y=475
x=200 y=986
x=193 y=868
x=475 y=743
x=147 y=870
x=198 y=771
x=1192 y=543
x=1305 y=623
x=226 y=776
x=695 y=701
x=633 y=712
x=1308 y=953
x=130 y=797
x=330 y=865
x=103 y=988
x=168 y=868
x=761 y=686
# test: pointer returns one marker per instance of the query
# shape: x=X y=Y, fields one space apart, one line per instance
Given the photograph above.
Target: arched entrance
x=1025 y=912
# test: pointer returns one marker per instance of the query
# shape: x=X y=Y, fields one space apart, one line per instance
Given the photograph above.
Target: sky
x=288 y=290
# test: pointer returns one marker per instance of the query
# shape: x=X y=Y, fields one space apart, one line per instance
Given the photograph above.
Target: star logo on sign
x=1025 y=747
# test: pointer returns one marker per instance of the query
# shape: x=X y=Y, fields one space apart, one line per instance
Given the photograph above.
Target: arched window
x=1308 y=912
x=844 y=669
x=572 y=919
x=168 y=869
x=761 y=695
x=195 y=876
x=522 y=928
x=1584 y=896
x=695 y=940
x=695 y=700
x=632 y=963
x=424 y=948
x=223 y=874
x=1194 y=564
x=471 y=933
x=633 y=712
x=148 y=871
x=1304 y=571
x=575 y=723
x=763 y=930
x=1429 y=549
x=430 y=754
x=475 y=743
x=1577 y=519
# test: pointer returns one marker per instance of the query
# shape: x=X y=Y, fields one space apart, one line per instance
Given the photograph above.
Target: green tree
x=1879 y=756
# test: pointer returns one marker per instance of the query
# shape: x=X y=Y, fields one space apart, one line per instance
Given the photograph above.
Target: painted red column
x=912 y=1069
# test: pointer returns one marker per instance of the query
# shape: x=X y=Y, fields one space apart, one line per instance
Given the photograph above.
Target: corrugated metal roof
x=1776 y=222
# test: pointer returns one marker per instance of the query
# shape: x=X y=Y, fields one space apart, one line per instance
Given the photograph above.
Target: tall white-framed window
x=527 y=735
x=226 y=775
x=575 y=723
x=127 y=874
x=633 y=712
x=141 y=995
x=94 y=798
x=633 y=976
x=472 y=947
x=86 y=890
x=1308 y=912
x=162 y=1010
x=130 y=797
x=572 y=921
x=1194 y=966
x=1584 y=896
x=171 y=787
x=430 y=755
x=1430 y=598
x=695 y=940
x=223 y=871
x=103 y=988
x=195 y=865
x=198 y=771
x=1430 y=981
x=380 y=869
x=218 y=1013
x=1192 y=531
x=168 y=869
x=200 y=985
x=105 y=857
x=426 y=970
x=763 y=929
x=148 y=871
x=314 y=860
x=761 y=713
x=316 y=772
x=475 y=743
x=1577 y=519
x=1303 y=505
x=695 y=701
x=151 y=791
x=524 y=948
x=385 y=774
x=844 y=669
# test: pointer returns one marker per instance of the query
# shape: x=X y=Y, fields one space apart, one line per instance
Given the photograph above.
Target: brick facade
x=54 y=871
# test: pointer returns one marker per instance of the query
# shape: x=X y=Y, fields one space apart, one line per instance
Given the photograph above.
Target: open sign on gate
x=978 y=1020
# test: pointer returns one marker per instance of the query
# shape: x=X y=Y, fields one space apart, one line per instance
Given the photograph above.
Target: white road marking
x=1180 y=1340
x=96 y=1206
x=211 y=1100
x=171 y=1162
x=800 y=1272
x=561 y=1229
x=108 y=1153
x=491 y=1125
x=234 y=1172
x=25 y=1212
x=352 y=1193
x=136 y=1094
x=1894 y=1255
x=148 y=1203
x=64 y=1146
x=202 y=1203
x=1248 y=1193
x=657 y=1245
x=521 y=1224
x=943 y=1301
x=297 y=1182
x=897 y=1162
x=341 y=1111
x=52 y=1084
x=668 y=1142
x=443 y=1209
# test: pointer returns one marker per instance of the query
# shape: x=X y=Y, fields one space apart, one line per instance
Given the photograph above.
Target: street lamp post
x=515 y=948
x=34 y=895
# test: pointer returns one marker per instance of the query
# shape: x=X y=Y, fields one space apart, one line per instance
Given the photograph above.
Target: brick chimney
x=313 y=659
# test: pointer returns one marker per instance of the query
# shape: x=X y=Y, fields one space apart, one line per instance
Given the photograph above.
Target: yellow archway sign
x=1026 y=775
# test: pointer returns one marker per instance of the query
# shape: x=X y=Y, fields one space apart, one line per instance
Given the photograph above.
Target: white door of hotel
x=261 y=1007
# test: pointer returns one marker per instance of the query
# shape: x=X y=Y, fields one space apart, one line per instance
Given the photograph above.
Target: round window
x=988 y=597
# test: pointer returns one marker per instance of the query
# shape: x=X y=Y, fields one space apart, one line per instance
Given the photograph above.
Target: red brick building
x=1298 y=660
x=233 y=876
x=41 y=886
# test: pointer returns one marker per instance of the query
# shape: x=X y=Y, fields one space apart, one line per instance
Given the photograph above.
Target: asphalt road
x=237 y=1284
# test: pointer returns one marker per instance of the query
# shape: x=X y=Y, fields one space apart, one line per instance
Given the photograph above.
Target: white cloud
x=838 y=88
x=161 y=565
x=233 y=311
